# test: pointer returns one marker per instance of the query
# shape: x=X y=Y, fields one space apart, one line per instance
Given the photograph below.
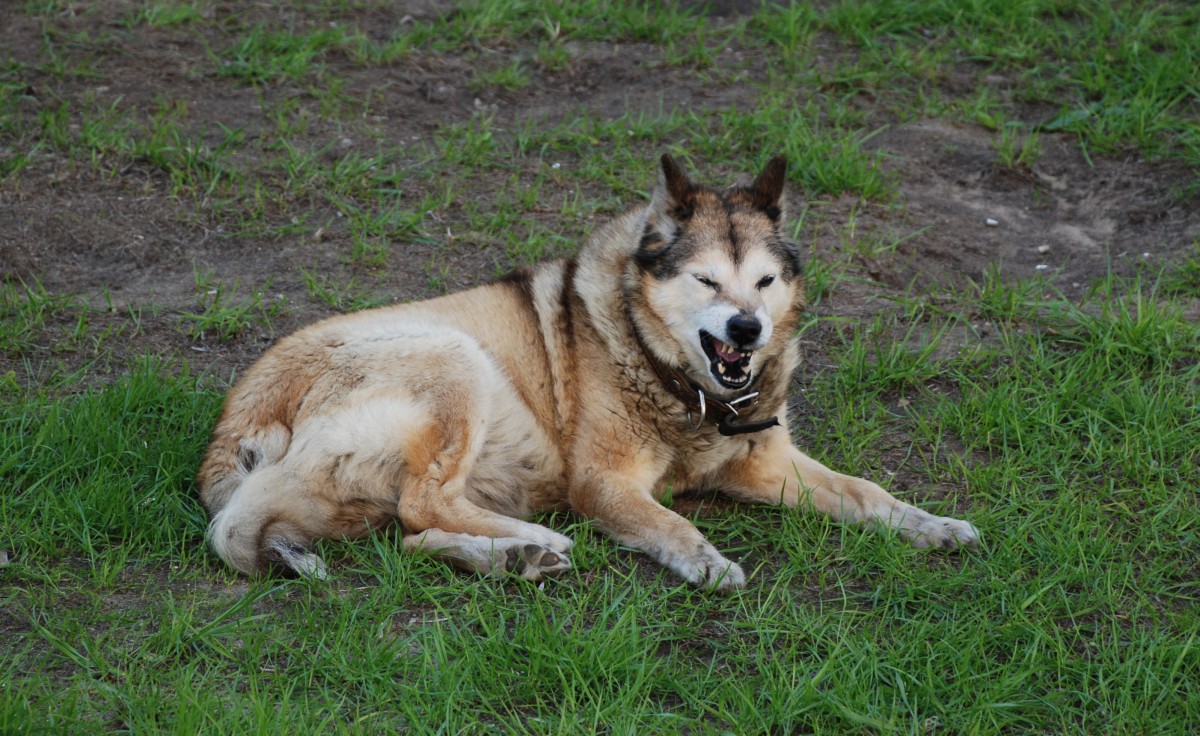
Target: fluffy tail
x=255 y=529
x=242 y=487
x=240 y=481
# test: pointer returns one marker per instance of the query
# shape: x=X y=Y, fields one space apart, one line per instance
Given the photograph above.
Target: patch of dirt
x=1064 y=217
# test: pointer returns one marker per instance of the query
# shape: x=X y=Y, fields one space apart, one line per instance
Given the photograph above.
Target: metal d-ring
x=703 y=409
x=739 y=400
x=730 y=405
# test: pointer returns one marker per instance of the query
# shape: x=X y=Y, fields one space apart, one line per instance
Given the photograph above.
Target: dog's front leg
x=774 y=471
x=622 y=506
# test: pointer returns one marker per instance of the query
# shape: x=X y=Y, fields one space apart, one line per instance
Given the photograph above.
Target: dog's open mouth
x=729 y=366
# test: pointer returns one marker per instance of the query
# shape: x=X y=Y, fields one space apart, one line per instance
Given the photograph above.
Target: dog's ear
x=671 y=206
x=767 y=189
x=674 y=197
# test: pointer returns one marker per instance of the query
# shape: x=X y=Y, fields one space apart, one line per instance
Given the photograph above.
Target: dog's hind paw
x=534 y=562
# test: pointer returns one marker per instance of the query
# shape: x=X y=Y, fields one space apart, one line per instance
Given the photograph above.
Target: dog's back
x=335 y=374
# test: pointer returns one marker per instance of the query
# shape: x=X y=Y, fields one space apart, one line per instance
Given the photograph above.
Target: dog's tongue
x=726 y=352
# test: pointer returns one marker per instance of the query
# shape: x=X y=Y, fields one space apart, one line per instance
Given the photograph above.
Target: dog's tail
x=246 y=492
x=240 y=483
x=260 y=527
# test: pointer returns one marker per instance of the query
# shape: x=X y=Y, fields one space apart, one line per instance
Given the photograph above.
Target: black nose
x=743 y=329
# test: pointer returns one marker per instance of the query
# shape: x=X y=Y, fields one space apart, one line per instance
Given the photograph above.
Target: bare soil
x=116 y=236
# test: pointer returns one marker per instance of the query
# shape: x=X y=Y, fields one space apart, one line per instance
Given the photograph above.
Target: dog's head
x=717 y=276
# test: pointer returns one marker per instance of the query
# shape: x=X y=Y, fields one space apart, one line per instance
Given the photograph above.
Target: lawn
x=998 y=204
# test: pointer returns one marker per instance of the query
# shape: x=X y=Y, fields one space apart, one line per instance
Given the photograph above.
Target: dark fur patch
x=788 y=254
x=567 y=299
x=683 y=211
x=665 y=262
x=248 y=457
x=679 y=187
x=661 y=258
x=651 y=241
x=767 y=188
x=520 y=281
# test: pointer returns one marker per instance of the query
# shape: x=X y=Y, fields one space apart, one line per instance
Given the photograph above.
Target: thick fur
x=458 y=416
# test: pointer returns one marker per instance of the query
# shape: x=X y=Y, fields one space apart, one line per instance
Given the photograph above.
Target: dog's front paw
x=707 y=568
x=942 y=532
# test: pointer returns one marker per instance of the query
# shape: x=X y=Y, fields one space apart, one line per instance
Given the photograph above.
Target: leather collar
x=718 y=412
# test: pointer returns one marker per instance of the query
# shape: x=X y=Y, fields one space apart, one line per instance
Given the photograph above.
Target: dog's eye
x=708 y=282
x=765 y=281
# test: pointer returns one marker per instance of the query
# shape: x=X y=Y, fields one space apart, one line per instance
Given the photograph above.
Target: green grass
x=510 y=77
x=165 y=14
x=1015 y=147
x=1115 y=76
x=348 y=297
x=223 y=315
x=1072 y=446
x=1067 y=431
x=26 y=310
x=1119 y=73
x=266 y=56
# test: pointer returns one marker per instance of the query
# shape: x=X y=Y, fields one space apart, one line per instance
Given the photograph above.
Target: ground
x=192 y=179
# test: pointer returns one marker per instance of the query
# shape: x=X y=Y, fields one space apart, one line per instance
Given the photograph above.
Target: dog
x=658 y=360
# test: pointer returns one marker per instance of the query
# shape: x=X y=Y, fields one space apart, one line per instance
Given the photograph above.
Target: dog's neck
x=701 y=407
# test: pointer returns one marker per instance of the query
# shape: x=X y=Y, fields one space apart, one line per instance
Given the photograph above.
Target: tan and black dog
x=661 y=357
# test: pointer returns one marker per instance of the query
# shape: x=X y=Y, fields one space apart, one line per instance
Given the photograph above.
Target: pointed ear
x=674 y=194
x=767 y=189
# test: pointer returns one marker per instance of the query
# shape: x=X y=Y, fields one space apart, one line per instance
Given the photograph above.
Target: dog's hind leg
x=434 y=497
x=490 y=555
x=433 y=494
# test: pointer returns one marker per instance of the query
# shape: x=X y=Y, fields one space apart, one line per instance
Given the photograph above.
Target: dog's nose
x=743 y=329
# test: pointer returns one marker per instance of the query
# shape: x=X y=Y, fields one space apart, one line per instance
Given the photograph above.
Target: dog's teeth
x=721 y=368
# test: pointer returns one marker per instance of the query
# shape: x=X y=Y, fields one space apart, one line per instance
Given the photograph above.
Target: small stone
x=1043 y=249
x=1041 y=267
x=992 y=223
